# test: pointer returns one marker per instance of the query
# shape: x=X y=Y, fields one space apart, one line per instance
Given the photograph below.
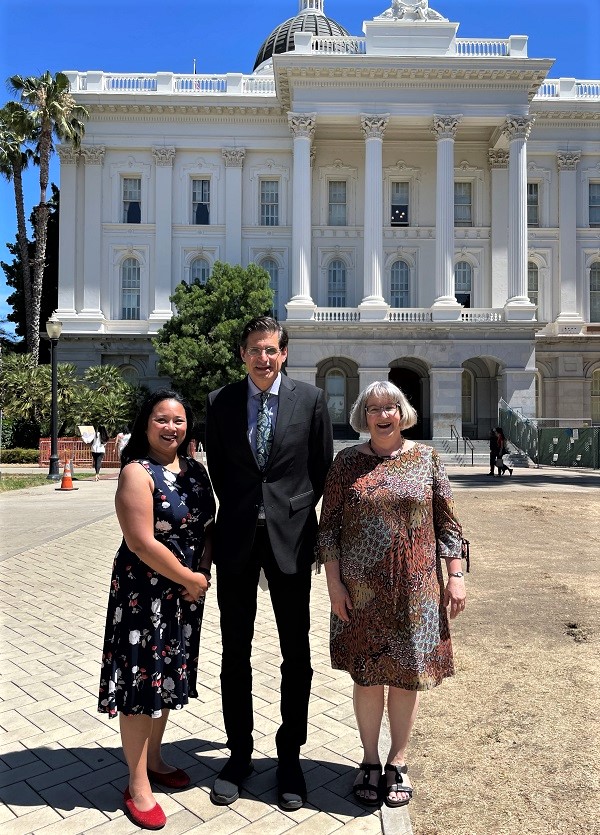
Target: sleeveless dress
x=390 y=522
x=152 y=636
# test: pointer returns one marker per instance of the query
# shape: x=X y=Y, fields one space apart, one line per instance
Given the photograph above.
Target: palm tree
x=54 y=114
x=16 y=128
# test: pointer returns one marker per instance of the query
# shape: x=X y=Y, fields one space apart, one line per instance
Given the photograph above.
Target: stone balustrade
x=568 y=88
x=408 y=315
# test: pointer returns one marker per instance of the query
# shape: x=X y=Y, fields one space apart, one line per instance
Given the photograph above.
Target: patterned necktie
x=264 y=429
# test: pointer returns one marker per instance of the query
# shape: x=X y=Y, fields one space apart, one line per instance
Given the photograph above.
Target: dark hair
x=499 y=431
x=103 y=434
x=264 y=324
x=137 y=447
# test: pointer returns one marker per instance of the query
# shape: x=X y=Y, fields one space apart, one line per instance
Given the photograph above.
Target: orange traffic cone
x=67 y=480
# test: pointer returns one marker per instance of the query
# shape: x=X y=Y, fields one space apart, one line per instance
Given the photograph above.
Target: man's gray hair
x=381 y=389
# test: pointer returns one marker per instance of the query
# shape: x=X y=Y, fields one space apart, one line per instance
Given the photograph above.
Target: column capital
x=567 y=160
x=234 y=157
x=518 y=127
x=163 y=156
x=497 y=158
x=68 y=154
x=302 y=124
x=373 y=127
x=93 y=154
x=445 y=127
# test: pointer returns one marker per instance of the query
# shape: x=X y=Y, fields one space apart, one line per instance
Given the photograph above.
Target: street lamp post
x=54 y=329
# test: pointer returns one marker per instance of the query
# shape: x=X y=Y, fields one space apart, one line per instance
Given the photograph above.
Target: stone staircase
x=446 y=448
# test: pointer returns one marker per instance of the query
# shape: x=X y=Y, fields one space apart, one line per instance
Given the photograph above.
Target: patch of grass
x=17 y=481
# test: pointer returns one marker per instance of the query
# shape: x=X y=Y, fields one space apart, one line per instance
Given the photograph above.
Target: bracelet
x=455 y=574
x=206 y=573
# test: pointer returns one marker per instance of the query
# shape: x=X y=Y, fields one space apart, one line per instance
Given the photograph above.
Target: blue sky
x=154 y=35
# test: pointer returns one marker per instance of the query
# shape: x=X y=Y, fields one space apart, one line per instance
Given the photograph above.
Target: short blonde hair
x=382 y=388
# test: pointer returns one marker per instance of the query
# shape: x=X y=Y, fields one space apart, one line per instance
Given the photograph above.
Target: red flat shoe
x=177 y=779
x=154 y=818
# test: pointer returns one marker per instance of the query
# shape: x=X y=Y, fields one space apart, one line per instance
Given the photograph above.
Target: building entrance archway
x=415 y=386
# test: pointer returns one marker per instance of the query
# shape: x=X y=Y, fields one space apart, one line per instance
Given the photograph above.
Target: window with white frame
x=132 y=199
x=467 y=396
x=130 y=289
x=336 y=284
x=399 y=207
x=335 y=394
x=400 y=284
x=533 y=282
x=199 y=271
x=269 y=202
x=201 y=202
x=594 y=207
x=463 y=283
x=596 y=397
x=595 y=292
x=337 y=212
x=271 y=266
x=463 y=204
x=533 y=204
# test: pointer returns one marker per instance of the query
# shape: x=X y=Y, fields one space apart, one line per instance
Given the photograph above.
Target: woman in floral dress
x=161 y=573
x=386 y=524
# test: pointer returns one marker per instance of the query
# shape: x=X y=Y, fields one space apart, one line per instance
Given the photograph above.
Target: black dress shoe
x=227 y=786
x=291 y=785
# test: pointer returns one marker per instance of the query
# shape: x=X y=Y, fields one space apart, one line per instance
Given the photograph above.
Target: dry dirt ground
x=511 y=744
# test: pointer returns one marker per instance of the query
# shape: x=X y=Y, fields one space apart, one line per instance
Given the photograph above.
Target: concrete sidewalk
x=61 y=766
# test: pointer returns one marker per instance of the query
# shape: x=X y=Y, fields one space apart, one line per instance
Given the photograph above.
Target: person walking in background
x=269 y=447
x=502 y=451
x=122 y=440
x=161 y=573
x=387 y=525
x=98 y=449
x=493 y=451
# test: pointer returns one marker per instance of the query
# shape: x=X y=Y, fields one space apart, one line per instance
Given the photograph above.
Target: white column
x=567 y=235
x=518 y=307
x=301 y=305
x=67 y=237
x=234 y=160
x=92 y=231
x=373 y=305
x=445 y=387
x=161 y=280
x=498 y=161
x=445 y=306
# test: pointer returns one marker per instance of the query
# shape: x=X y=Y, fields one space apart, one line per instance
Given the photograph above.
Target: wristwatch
x=455 y=574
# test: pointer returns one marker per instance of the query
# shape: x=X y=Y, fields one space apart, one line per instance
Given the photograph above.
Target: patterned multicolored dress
x=152 y=636
x=390 y=522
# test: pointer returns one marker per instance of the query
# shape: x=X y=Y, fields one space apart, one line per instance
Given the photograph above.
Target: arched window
x=335 y=392
x=538 y=395
x=595 y=292
x=533 y=285
x=400 y=284
x=270 y=265
x=130 y=374
x=467 y=396
x=199 y=271
x=463 y=283
x=130 y=289
x=596 y=397
x=336 y=284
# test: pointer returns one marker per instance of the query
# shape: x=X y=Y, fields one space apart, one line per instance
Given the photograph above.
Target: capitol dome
x=310 y=18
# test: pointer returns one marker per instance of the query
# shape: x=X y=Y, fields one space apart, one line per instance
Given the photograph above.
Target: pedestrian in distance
x=98 y=449
x=160 y=576
x=387 y=526
x=269 y=447
x=502 y=450
x=122 y=440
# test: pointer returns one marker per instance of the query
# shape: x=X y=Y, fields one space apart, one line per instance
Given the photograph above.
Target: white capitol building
x=428 y=209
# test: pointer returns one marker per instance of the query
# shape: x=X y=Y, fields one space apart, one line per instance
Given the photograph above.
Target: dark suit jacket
x=290 y=486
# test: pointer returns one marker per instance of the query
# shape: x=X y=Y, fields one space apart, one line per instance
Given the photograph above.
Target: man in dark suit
x=269 y=447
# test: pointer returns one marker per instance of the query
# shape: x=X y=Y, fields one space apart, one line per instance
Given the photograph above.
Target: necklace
x=387 y=457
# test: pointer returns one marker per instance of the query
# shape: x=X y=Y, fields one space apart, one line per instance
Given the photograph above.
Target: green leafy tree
x=111 y=402
x=198 y=347
x=54 y=114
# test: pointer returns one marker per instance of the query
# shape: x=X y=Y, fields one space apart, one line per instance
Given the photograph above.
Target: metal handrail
x=466 y=443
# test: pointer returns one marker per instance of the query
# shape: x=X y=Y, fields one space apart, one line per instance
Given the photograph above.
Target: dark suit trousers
x=290 y=596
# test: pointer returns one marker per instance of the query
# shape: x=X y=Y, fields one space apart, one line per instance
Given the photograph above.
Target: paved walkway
x=61 y=767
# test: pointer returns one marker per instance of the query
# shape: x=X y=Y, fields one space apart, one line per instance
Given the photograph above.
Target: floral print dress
x=390 y=522
x=152 y=636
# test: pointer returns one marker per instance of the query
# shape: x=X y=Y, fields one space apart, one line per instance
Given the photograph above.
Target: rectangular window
x=595 y=205
x=463 y=204
x=132 y=200
x=533 y=204
x=200 y=202
x=269 y=202
x=399 y=209
x=533 y=283
x=337 y=203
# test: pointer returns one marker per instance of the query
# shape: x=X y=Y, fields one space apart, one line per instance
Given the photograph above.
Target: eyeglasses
x=258 y=352
x=390 y=409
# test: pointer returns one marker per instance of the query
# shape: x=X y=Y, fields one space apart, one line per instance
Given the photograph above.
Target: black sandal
x=396 y=787
x=365 y=786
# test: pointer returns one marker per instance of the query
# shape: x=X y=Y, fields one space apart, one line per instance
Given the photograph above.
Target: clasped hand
x=341 y=605
x=196 y=588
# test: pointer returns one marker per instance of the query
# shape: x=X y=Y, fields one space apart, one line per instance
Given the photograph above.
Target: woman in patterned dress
x=386 y=524
x=161 y=573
